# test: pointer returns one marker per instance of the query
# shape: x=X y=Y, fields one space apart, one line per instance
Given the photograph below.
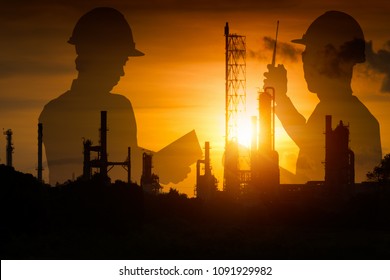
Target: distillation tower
x=339 y=158
x=149 y=181
x=101 y=162
x=265 y=162
x=206 y=183
x=235 y=98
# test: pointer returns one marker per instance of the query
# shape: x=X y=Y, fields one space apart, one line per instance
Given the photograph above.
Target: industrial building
x=206 y=183
x=149 y=181
x=265 y=160
x=101 y=161
x=339 y=158
x=263 y=175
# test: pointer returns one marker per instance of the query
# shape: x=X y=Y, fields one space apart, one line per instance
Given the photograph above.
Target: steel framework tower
x=235 y=99
x=235 y=78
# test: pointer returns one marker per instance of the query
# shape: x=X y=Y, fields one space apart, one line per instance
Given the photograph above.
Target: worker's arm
x=293 y=122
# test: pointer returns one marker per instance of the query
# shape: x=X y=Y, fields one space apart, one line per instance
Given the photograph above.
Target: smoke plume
x=283 y=50
x=380 y=62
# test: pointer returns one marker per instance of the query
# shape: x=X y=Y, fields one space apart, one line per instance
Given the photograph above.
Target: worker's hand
x=276 y=77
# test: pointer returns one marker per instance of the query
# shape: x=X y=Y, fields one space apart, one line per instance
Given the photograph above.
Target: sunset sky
x=179 y=84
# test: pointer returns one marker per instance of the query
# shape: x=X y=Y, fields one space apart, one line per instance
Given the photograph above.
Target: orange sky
x=179 y=84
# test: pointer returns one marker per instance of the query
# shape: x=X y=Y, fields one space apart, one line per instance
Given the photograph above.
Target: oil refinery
x=260 y=177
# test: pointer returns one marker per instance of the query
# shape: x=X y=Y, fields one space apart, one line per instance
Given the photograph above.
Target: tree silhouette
x=381 y=172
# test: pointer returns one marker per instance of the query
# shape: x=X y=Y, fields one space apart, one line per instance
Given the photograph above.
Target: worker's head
x=334 y=44
x=103 y=41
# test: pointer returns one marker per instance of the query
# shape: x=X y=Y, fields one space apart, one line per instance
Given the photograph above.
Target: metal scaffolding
x=235 y=98
x=235 y=82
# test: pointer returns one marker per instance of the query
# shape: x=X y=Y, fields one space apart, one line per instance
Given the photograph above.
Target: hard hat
x=104 y=26
x=339 y=30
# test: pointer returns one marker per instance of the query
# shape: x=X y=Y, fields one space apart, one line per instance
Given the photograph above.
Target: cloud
x=158 y=5
x=19 y=67
x=19 y=104
x=380 y=62
x=257 y=55
x=284 y=51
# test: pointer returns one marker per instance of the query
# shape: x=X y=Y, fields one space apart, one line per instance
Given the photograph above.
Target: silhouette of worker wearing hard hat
x=334 y=43
x=104 y=41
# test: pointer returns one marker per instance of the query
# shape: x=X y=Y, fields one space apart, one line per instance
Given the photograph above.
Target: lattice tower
x=235 y=82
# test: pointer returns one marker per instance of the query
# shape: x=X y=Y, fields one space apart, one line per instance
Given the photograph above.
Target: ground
x=86 y=220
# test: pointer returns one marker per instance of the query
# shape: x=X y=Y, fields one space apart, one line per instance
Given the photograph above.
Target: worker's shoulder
x=357 y=107
x=55 y=105
x=118 y=100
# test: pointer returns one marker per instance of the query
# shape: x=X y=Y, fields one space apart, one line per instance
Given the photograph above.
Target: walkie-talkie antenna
x=276 y=40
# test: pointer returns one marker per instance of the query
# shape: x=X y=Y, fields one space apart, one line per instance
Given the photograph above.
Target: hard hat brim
x=135 y=52
x=301 y=41
x=132 y=51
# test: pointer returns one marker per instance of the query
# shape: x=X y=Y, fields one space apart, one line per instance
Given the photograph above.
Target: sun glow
x=244 y=132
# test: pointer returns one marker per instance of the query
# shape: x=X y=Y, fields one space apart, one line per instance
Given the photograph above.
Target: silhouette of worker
x=103 y=41
x=334 y=43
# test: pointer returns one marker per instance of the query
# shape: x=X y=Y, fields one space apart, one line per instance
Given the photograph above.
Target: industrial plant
x=101 y=162
x=261 y=177
x=252 y=216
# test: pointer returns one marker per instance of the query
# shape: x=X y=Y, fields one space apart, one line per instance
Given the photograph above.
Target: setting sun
x=245 y=131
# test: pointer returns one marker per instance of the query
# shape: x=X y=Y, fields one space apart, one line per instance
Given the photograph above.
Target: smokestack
x=206 y=183
x=87 y=174
x=146 y=167
x=40 y=166
x=128 y=165
x=207 y=170
x=103 y=144
x=9 y=147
